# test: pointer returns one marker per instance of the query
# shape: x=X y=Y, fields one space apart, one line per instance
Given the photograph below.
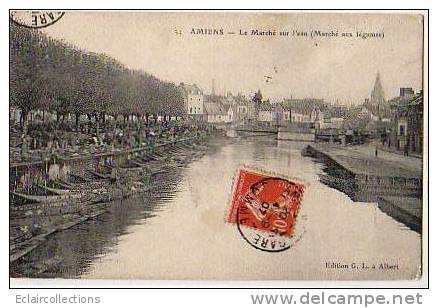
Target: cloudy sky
x=334 y=68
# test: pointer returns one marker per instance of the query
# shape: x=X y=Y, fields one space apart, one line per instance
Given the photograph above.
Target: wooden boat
x=47 y=199
x=78 y=178
x=148 y=157
x=144 y=159
x=188 y=146
x=130 y=165
x=102 y=175
x=157 y=172
x=64 y=184
x=158 y=155
x=85 y=186
x=153 y=165
x=138 y=163
x=174 y=151
x=55 y=191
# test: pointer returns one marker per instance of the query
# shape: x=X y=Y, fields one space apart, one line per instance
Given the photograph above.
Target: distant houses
x=193 y=101
x=220 y=109
x=306 y=110
x=399 y=120
x=407 y=122
x=216 y=113
x=285 y=113
x=266 y=112
x=240 y=110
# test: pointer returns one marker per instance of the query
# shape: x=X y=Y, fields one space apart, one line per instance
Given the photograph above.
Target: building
x=214 y=109
x=215 y=113
x=407 y=119
x=290 y=115
x=337 y=123
x=242 y=112
x=310 y=108
x=304 y=113
x=232 y=114
x=266 y=112
x=377 y=94
x=193 y=100
x=377 y=104
x=407 y=92
x=244 y=109
x=317 y=117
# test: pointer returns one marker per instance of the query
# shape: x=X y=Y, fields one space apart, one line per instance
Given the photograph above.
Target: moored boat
x=47 y=199
x=56 y=191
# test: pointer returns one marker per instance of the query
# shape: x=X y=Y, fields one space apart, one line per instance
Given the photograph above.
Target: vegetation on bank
x=53 y=76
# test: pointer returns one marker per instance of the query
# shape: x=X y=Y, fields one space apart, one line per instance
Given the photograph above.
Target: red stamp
x=265 y=209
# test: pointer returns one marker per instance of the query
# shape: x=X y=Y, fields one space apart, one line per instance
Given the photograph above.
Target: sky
x=338 y=68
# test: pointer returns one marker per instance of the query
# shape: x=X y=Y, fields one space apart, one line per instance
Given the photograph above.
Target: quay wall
x=411 y=218
x=365 y=187
x=295 y=136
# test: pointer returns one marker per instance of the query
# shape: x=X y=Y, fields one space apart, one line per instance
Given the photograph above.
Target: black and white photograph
x=218 y=146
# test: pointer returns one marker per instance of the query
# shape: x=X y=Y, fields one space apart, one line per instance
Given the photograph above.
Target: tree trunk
x=96 y=118
x=89 y=116
x=23 y=118
x=102 y=116
x=147 y=119
x=77 y=115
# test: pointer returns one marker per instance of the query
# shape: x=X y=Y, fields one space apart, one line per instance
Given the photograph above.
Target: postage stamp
x=265 y=209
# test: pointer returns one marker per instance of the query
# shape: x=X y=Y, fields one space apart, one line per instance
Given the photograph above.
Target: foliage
x=52 y=75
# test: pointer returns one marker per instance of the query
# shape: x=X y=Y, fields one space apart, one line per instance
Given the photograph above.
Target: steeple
x=377 y=95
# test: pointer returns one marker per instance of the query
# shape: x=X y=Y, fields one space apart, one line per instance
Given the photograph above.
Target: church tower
x=377 y=95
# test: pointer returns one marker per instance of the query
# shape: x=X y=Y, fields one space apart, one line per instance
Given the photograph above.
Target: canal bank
x=366 y=175
x=137 y=171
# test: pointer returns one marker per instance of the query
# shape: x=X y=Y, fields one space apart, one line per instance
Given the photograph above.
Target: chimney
x=406 y=92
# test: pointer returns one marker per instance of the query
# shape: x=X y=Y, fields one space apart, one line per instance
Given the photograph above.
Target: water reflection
x=69 y=253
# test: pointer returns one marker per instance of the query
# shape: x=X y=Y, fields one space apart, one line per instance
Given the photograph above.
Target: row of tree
x=50 y=75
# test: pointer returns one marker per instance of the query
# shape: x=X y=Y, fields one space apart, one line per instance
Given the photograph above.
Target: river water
x=179 y=232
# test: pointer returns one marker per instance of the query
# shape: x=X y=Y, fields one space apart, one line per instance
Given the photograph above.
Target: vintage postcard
x=218 y=145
